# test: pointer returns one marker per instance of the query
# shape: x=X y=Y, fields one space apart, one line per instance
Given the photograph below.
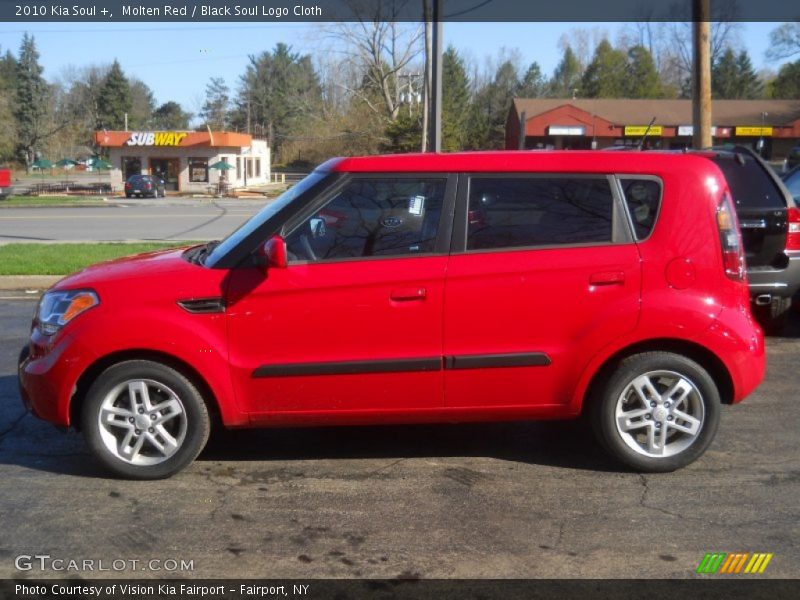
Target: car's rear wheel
x=773 y=316
x=657 y=412
x=144 y=420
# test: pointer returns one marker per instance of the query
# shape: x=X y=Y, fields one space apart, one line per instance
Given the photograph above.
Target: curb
x=27 y=282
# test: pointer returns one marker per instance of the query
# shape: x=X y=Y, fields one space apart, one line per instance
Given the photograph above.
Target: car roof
x=538 y=161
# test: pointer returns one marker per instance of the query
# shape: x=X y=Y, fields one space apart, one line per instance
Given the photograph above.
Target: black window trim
x=443 y=235
x=629 y=218
x=620 y=228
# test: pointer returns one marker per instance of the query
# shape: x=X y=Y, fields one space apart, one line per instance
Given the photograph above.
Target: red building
x=599 y=123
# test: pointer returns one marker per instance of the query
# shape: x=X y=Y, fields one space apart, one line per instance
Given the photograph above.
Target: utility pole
x=426 y=76
x=435 y=136
x=701 y=74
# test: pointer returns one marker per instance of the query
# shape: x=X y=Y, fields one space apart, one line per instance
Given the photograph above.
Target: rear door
x=544 y=273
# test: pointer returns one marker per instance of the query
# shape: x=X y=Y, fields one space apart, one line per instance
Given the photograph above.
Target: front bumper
x=48 y=372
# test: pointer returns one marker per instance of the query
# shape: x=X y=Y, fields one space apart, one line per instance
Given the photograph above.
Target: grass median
x=23 y=201
x=62 y=259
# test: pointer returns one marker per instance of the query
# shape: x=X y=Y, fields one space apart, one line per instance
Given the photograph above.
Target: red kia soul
x=420 y=289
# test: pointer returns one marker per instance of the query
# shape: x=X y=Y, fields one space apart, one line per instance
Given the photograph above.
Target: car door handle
x=409 y=294
x=608 y=278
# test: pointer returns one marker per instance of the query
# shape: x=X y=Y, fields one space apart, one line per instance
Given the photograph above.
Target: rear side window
x=540 y=211
x=750 y=185
x=643 y=199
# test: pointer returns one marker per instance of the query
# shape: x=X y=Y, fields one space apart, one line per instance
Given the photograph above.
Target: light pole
x=761 y=135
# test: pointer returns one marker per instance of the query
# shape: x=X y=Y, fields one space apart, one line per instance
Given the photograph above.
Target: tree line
x=365 y=90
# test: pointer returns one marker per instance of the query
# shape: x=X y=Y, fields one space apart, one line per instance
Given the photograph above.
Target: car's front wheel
x=144 y=420
x=657 y=412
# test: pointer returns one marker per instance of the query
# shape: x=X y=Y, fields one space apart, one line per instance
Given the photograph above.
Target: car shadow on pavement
x=564 y=444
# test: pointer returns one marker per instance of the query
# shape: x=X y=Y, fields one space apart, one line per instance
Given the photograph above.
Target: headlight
x=58 y=308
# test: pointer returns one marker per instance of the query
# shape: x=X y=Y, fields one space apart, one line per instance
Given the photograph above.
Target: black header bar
x=273 y=11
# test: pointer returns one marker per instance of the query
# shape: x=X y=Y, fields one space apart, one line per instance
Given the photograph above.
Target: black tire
x=193 y=421
x=773 y=316
x=128 y=195
x=703 y=400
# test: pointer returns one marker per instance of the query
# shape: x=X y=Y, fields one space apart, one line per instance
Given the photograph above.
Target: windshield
x=263 y=216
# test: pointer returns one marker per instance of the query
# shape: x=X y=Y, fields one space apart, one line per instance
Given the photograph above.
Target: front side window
x=372 y=217
x=539 y=211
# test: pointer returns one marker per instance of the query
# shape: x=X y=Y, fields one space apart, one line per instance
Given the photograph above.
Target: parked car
x=145 y=185
x=420 y=288
x=5 y=183
x=791 y=179
x=770 y=222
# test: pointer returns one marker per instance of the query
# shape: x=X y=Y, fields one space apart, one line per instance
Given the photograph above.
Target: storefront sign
x=566 y=130
x=688 y=130
x=156 y=138
x=754 y=131
x=655 y=130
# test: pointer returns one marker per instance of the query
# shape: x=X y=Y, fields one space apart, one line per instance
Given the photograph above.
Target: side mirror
x=273 y=253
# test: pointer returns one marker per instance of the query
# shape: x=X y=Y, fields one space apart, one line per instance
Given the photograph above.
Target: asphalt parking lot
x=474 y=501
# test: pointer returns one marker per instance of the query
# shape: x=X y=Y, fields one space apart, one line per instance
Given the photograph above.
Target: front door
x=354 y=323
x=544 y=274
x=166 y=169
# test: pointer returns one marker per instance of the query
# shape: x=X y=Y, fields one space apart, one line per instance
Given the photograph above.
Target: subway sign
x=156 y=138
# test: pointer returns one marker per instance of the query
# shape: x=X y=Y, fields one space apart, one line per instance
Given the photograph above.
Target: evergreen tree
x=533 y=84
x=567 y=76
x=787 y=84
x=642 y=77
x=114 y=99
x=490 y=108
x=216 y=107
x=733 y=77
x=455 y=101
x=607 y=75
x=32 y=96
x=279 y=91
x=170 y=115
x=143 y=105
x=404 y=133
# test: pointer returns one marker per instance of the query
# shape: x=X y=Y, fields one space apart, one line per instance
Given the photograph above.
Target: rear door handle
x=409 y=294
x=608 y=278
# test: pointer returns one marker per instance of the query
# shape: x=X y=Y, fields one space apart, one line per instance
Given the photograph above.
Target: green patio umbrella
x=221 y=165
x=42 y=164
x=101 y=165
x=64 y=163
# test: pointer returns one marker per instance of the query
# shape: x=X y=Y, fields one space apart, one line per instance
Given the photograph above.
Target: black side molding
x=404 y=365
x=353 y=367
x=495 y=361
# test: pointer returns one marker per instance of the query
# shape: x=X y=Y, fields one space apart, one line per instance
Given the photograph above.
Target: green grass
x=49 y=200
x=62 y=259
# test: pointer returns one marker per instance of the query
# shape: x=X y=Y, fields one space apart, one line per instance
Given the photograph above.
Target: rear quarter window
x=643 y=200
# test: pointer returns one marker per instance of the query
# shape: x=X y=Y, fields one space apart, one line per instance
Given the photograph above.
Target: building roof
x=221 y=139
x=621 y=111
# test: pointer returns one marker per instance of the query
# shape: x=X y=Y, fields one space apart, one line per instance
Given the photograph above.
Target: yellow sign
x=634 y=130
x=754 y=131
x=156 y=138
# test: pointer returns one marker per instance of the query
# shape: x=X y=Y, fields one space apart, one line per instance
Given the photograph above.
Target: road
x=193 y=220
x=474 y=501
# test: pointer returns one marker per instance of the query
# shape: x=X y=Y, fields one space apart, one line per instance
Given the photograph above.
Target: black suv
x=145 y=185
x=770 y=224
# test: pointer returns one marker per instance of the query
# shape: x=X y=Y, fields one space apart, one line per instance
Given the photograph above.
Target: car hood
x=129 y=267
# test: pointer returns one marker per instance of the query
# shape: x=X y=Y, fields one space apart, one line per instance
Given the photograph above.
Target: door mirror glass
x=318 y=228
x=273 y=253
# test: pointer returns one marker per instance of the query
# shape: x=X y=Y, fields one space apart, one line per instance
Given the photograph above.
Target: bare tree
x=784 y=41
x=379 y=48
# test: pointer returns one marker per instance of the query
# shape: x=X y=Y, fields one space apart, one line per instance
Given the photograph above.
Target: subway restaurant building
x=183 y=159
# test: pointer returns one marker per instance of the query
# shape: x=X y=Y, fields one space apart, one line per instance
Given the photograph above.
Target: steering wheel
x=307 y=247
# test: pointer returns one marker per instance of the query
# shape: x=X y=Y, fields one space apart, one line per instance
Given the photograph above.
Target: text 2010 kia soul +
x=436 y=288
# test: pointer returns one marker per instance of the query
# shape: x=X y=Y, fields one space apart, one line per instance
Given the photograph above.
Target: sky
x=176 y=60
